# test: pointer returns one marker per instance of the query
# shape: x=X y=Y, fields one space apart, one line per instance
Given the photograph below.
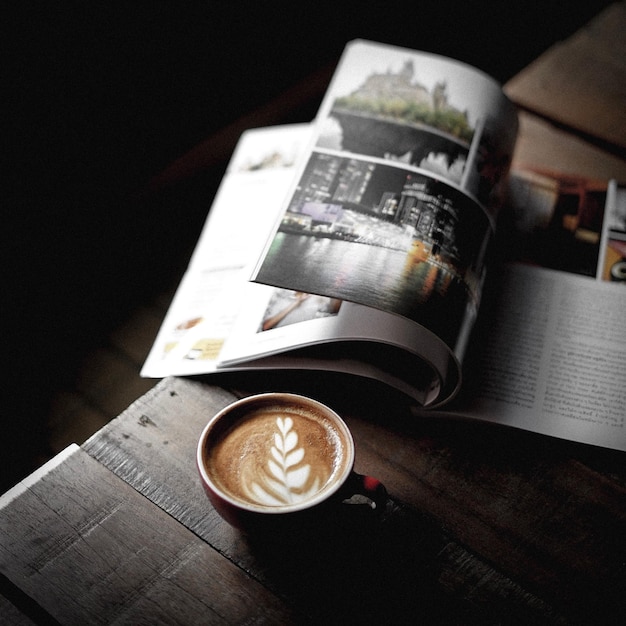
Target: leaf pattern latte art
x=286 y=477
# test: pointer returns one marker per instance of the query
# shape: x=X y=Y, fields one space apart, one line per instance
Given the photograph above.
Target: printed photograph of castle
x=421 y=111
x=393 y=116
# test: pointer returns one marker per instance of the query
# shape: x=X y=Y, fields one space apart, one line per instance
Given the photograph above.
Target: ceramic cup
x=280 y=457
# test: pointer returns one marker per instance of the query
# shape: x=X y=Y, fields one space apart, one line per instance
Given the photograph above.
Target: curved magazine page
x=276 y=320
x=395 y=204
x=383 y=364
x=294 y=330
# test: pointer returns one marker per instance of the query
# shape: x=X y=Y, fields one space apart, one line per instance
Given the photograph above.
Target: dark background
x=100 y=96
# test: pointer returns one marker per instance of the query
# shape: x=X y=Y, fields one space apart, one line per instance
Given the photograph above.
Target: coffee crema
x=276 y=455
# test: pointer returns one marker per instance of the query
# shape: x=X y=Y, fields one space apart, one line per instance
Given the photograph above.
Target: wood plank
x=549 y=514
x=581 y=82
x=152 y=447
x=541 y=146
x=536 y=507
x=88 y=548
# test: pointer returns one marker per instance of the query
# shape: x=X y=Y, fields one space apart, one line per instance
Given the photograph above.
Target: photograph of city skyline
x=381 y=235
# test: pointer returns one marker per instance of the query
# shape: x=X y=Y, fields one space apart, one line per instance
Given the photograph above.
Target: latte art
x=277 y=456
x=287 y=479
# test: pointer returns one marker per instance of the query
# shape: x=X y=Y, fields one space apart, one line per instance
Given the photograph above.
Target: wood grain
x=88 y=548
x=525 y=527
x=546 y=518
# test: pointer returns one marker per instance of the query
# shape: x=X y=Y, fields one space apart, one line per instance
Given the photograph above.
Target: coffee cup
x=281 y=458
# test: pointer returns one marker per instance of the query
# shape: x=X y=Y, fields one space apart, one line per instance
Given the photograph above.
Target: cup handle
x=360 y=486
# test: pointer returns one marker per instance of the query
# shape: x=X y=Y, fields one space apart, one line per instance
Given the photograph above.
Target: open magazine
x=359 y=243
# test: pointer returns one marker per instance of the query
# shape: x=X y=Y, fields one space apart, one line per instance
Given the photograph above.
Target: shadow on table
x=360 y=568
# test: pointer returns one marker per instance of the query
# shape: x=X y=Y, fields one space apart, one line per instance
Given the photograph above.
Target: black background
x=100 y=96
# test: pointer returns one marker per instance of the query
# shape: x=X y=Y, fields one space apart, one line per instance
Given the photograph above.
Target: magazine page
x=395 y=204
x=219 y=320
x=551 y=356
x=212 y=292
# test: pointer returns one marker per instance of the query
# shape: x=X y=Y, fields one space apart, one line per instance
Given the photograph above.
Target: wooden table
x=483 y=525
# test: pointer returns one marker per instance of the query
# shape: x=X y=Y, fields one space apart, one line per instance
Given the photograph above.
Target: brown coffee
x=276 y=454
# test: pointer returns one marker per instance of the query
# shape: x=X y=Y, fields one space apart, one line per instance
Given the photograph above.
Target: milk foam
x=277 y=456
